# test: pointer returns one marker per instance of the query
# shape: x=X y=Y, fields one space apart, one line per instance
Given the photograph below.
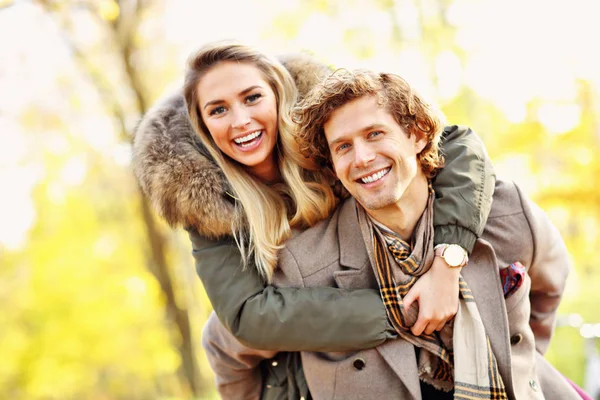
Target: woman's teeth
x=243 y=141
x=376 y=176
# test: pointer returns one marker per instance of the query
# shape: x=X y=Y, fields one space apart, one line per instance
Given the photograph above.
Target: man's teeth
x=376 y=176
x=248 y=138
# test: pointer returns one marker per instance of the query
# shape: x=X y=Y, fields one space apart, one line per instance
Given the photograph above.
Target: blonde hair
x=270 y=212
x=407 y=107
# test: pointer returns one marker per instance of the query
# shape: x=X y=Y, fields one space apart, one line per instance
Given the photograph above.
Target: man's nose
x=363 y=154
x=241 y=118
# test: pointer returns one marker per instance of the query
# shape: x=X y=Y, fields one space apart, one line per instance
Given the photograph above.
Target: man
x=381 y=141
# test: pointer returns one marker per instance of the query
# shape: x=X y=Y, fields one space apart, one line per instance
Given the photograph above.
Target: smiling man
x=376 y=161
x=381 y=140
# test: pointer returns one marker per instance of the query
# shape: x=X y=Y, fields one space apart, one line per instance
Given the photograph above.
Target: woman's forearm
x=463 y=188
x=287 y=319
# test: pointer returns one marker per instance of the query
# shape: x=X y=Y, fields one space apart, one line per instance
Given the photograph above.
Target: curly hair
x=407 y=107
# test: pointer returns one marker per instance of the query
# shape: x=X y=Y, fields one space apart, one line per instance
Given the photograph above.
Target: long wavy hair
x=269 y=212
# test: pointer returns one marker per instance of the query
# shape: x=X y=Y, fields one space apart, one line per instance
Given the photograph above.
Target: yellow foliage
x=109 y=10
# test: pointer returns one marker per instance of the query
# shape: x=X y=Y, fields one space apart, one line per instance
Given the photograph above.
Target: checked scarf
x=459 y=357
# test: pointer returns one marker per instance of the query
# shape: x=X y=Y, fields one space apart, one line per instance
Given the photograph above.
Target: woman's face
x=239 y=109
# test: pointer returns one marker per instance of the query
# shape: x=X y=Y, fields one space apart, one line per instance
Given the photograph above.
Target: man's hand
x=437 y=294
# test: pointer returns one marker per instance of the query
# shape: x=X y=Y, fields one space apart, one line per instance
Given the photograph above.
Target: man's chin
x=371 y=204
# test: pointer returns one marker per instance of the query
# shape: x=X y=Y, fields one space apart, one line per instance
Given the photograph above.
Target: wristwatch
x=454 y=255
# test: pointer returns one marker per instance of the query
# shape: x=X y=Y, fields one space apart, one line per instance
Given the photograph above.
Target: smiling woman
x=239 y=109
x=239 y=103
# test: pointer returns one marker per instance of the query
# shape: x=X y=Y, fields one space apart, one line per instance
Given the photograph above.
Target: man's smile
x=374 y=177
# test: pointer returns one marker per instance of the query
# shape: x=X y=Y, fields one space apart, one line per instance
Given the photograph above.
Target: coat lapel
x=359 y=274
x=401 y=357
x=481 y=274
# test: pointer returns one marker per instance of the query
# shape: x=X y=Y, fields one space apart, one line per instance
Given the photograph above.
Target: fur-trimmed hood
x=177 y=173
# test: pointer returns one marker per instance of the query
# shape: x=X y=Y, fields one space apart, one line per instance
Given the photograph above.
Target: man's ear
x=421 y=141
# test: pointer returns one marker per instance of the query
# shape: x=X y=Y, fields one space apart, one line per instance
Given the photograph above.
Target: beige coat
x=333 y=254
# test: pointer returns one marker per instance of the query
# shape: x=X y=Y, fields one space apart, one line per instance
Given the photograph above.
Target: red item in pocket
x=512 y=278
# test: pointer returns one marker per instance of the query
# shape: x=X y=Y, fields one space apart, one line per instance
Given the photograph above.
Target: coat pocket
x=514 y=284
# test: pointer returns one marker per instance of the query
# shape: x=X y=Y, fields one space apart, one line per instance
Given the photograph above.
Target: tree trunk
x=124 y=30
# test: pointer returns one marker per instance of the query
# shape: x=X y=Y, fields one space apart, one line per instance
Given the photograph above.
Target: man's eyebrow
x=243 y=92
x=368 y=128
x=374 y=127
x=336 y=141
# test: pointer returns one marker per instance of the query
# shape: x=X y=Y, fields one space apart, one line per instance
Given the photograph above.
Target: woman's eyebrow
x=251 y=88
x=243 y=92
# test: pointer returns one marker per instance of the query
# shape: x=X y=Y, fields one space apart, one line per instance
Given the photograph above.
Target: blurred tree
x=118 y=22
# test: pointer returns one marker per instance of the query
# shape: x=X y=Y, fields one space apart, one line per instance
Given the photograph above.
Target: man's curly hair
x=409 y=110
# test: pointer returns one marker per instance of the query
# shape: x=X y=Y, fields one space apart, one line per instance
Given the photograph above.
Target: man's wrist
x=440 y=266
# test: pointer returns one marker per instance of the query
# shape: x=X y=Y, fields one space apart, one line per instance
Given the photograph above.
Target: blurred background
x=99 y=297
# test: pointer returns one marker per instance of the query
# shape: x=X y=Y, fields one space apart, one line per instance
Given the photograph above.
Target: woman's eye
x=253 y=97
x=217 y=110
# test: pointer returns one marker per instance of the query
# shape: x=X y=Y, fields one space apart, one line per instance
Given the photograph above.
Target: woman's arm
x=298 y=319
x=463 y=188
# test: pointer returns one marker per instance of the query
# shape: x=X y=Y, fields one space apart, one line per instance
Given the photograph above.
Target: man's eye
x=342 y=147
x=253 y=97
x=217 y=110
x=374 y=134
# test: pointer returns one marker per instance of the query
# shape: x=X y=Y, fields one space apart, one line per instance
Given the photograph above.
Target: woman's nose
x=241 y=118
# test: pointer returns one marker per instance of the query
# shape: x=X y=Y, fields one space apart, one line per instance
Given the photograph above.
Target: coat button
x=359 y=363
x=533 y=385
x=516 y=339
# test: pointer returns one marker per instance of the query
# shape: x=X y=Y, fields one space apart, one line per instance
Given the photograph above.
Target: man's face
x=374 y=158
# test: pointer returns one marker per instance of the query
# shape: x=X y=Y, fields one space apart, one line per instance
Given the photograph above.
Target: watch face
x=454 y=255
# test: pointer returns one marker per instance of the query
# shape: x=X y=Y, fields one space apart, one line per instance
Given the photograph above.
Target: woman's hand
x=437 y=294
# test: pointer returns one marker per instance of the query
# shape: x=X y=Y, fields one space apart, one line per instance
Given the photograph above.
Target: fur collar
x=176 y=172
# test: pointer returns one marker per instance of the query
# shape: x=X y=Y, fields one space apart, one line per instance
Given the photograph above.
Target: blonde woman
x=224 y=163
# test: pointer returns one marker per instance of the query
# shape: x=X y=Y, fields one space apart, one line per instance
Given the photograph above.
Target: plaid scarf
x=459 y=357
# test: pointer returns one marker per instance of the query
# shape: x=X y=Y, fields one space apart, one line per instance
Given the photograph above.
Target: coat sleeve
x=236 y=367
x=286 y=319
x=464 y=188
x=549 y=269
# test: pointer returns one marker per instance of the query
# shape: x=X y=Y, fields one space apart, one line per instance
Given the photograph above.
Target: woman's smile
x=250 y=141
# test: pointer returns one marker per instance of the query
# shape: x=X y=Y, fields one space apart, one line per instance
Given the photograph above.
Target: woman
x=236 y=169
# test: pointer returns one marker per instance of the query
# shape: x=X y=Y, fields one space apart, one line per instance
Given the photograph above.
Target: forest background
x=99 y=297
